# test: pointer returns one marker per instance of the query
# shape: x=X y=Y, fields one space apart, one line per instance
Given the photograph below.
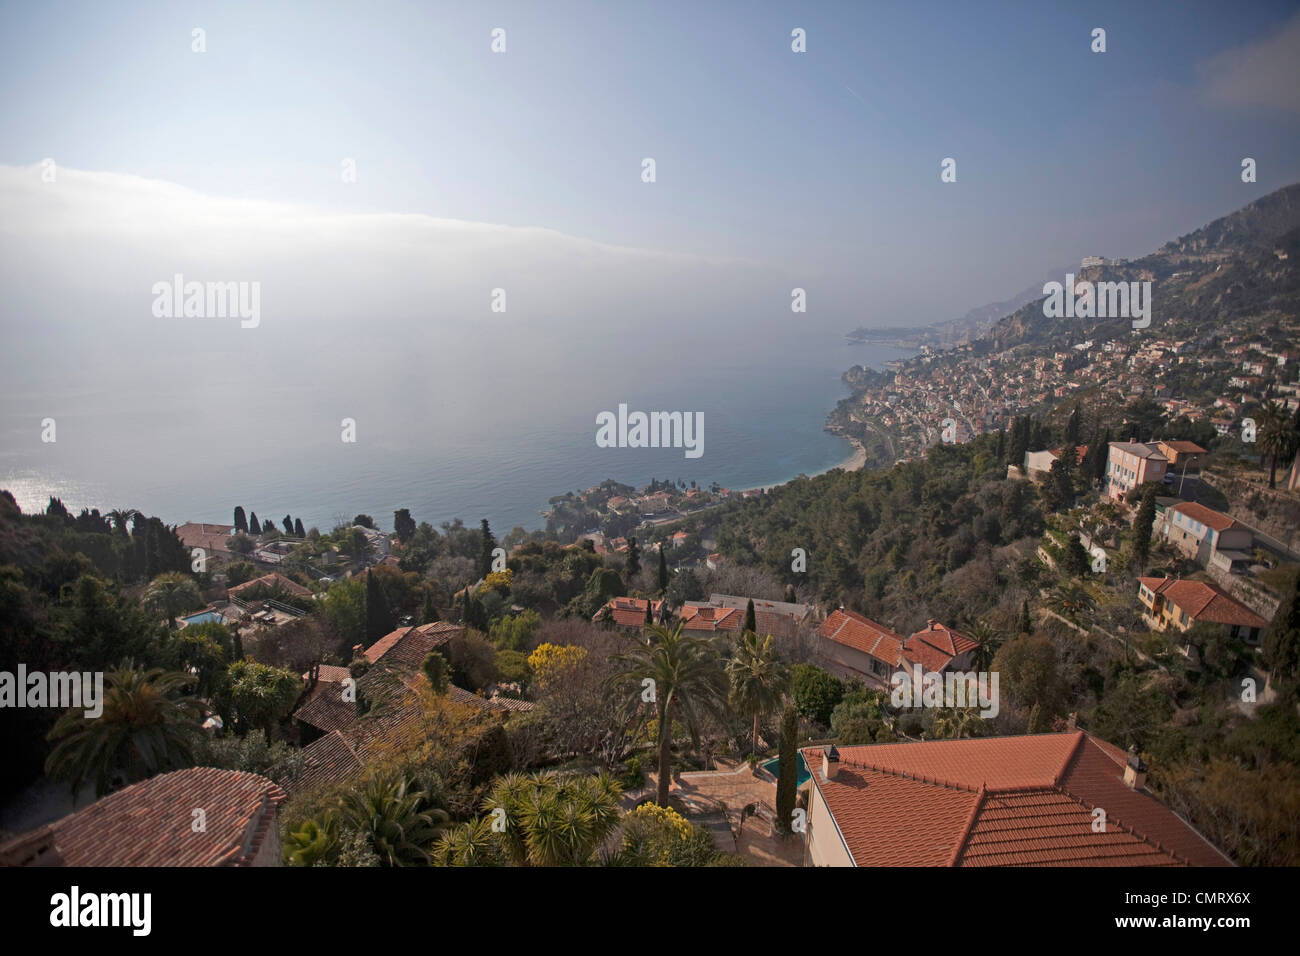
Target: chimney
x=1135 y=774
x=1073 y=722
x=830 y=763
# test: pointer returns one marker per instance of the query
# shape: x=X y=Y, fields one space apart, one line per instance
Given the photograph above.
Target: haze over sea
x=490 y=431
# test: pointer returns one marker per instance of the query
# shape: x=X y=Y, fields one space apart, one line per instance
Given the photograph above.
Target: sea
x=447 y=430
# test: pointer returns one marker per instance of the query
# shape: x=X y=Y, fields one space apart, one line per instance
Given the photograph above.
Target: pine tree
x=787 y=770
x=663 y=571
x=633 y=558
x=751 y=621
x=241 y=522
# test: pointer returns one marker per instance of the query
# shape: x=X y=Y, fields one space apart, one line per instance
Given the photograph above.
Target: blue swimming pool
x=203 y=617
x=773 y=766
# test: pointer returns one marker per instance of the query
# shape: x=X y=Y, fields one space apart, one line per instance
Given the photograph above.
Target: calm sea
x=449 y=431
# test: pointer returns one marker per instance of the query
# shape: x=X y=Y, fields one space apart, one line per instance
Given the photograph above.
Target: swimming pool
x=203 y=617
x=773 y=766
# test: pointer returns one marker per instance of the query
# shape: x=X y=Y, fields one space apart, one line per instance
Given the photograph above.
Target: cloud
x=1265 y=73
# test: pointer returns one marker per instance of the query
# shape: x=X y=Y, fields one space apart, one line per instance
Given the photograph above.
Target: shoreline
x=856 y=461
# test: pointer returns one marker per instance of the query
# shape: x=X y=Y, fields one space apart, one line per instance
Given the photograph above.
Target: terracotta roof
x=329 y=759
x=150 y=824
x=1184 y=447
x=863 y=634
x=705 y=617
x=409 y=646
x=629 y=611
x=272 y=580
x=1206 y=516
x=1204 y=602
x=1001 y=801
x=935 y=646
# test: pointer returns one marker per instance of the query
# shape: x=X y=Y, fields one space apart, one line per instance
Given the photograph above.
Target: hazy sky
x=822 y=166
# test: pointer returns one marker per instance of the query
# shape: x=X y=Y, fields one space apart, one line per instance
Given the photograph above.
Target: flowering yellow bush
x=665 y=819
x=497 y=581
x=551 y=662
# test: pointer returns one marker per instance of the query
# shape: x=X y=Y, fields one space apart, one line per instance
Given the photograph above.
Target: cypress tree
x=1026 y=622
x=751 y=620
x=379 y=616
x=787 y=770
x=241 y=522
x=489 y=545
x=633 y=558
x=663 y=571
x=298 y=531
x=1281 y=645
x=253 y=527
x=268 y=526
x=649 y=613
x=428 y=611
x=288 y=525
x=1142 y=526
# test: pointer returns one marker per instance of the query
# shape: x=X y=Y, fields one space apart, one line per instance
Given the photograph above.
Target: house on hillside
x=1132 y=464
x=1210 y=537
x=853 y=645
x=993 y=801
x=1178 y=604
x=631 y=612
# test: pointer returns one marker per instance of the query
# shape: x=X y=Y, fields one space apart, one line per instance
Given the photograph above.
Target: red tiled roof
x=935 y=647
x=1001 y=801
x=1184 y=447
x=409 y=646
x=272 y=580
x=863 y=634
x=150 y=824
x=629 y=611
x=1206 y=516
x=1204 y=602
x=705 y=617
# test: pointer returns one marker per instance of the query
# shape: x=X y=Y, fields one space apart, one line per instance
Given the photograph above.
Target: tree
x=254 y=527
x=403 y=524
x=241 y=522
x=364 y=521
x=550 y=820
x=145 y=728
x=379 y=616
x=989 y=640
x=428 y=610
x=688 y=684
x=393 y=817
x=1026 y=622
x=816 y=692
x=171 y=594
x=489 y=545
x=1278 y=438
x=262 y=695
x=1281 y=645
x=1072 y=430
x=1072 y=601
x=121 y=516
x=435 y=668
x=633 y=558
x=1027 y=665
x=787 y=770
x=663 y=572
x=1076 y=558
x=751 y=622
x=1142 y=526
x=288 y=525
x=758 y=680
x=298 y=531
x=268 y=526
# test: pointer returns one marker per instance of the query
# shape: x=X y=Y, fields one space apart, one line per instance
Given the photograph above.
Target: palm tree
x=1072 y=601
x=144 y=728
x=688 y=679
x=1278 y=438
x=311 y=842
x=989 y=640
x=171 y=594
x=758 y=679
x=539 y=819
x=121 y=516
x=391 y=816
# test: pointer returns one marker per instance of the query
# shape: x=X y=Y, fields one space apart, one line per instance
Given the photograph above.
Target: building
x=1185 y=457
x=994 y=801
x=630 y=612
x=1210 y=537
x=726 y=612
x=853 y=645
x=151 y=823
x=1131 y=464
x=1179 y=604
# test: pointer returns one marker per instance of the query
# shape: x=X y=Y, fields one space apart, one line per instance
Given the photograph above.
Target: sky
x=773 y=168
